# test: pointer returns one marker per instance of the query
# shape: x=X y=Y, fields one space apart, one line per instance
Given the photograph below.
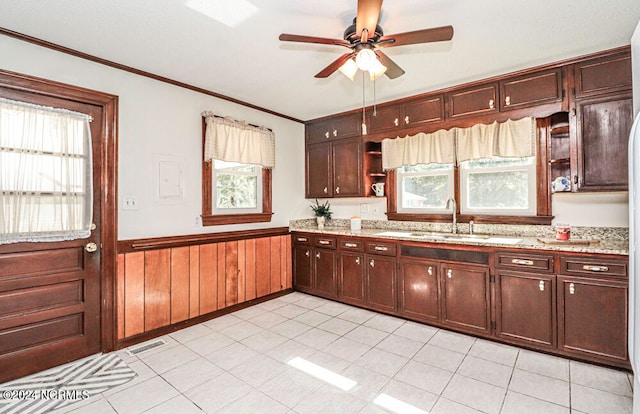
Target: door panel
x=347 y=168
x=381 y=282
x=466 y=297
x=324 y=270
x=351 y=284
x=50 y=291
x=318 y=169
x=419 y=290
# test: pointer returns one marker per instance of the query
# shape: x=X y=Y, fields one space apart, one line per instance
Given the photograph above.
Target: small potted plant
x=322 y=212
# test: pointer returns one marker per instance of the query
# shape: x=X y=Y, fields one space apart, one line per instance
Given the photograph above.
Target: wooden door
x=302 y=267
x=525 y=308
x=50 y=309
x=318 y=170
x=532 y=89
x=318 y=131
x=465 y=297
x=381 y=282
x=351 y=277
x=324 y=270
x=602 y=131
x=603 y=75
x=346 y=126
x=386 y=118
x=418 y=290
x=592 y=318
x=423 y=110
x=347 y=168
x=478 y=100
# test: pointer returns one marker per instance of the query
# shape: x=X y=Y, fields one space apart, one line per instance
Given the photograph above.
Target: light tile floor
x=238 y=364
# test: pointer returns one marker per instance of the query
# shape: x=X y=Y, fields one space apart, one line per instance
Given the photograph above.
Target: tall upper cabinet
x=601 y=118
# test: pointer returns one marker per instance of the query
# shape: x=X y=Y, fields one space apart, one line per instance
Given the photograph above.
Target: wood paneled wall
x=158 y=287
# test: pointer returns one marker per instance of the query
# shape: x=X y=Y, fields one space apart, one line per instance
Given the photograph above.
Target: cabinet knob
x=430 y=271
x=337 y=190
x=572 y=289
x=406 y=119
x=541 y=286
x=317 y=255
x=395 y=122
x=449 y=273
x=507 y=100
x=325 y=190
x=491 y=104
x=326 y=135
x=372 y=263
x=307 y=253
x=335 y=132
x=357 y=260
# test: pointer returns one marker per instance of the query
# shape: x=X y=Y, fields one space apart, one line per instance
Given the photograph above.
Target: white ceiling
x=249 y=63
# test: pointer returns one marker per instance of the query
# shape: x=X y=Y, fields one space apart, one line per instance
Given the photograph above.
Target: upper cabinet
x=532 y=89
x=334 y=169
x=334 y=128
x=602 y=75
x=408 y=114
x=476 y=100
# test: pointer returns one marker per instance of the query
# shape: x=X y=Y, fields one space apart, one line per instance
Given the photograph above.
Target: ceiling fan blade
x=367 y=18
x=393 y=70
x=333 y=66
x=436 y=34
x=312 y=39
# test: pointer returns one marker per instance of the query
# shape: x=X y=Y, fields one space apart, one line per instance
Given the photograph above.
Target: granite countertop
x=608 y=241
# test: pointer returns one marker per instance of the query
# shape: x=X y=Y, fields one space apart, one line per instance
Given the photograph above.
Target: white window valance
x=236 y=141
x=506 y=139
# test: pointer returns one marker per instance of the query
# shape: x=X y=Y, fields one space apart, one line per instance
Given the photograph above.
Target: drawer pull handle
x=406 y=119
x=337 y=190
x=335 y=132
x=430 y=271
x=507 y=101
x=301 y=239
x=541 y=286
x=572 y=289
x=350 y=245
x=449 y=273
x=325 y=242
x=326 y=134
x=381 y=248
x=491 y=104
x=317 y=255
x=357 y=260
x=372 y=263
x=522 y=262
x=395 y=122
x=306 y=253
x=595 y=268
x=325 y=190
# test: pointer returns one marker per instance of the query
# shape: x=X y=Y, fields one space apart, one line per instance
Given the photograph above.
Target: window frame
x=450 y=173
x=209 y=218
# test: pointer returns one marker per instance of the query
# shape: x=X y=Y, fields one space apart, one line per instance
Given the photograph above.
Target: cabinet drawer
x=584 y=266
x=388 y=249
x=352 y=245
x=525 y=262
x=324 y=241
x=302 y=239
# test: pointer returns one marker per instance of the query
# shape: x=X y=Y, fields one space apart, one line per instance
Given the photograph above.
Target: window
x=504 y=186
x=424 y=188
x=236 y=188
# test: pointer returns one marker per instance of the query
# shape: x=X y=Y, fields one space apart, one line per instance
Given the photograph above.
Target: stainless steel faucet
x=452 y=201
x=471 y=227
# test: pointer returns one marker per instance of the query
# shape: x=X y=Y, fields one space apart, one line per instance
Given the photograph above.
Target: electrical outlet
x=129 y=203
x=376 y=209
x=364 y=208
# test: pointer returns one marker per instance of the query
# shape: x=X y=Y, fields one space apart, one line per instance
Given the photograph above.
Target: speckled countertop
x=609 y=240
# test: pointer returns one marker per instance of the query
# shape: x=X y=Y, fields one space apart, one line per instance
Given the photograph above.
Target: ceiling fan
x=365 y=38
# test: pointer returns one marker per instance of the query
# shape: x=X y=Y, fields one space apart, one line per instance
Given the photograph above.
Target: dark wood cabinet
x=607 y=74
x=345 y=126
x=395 y=117
x=351 y=277
x=525 y=308
x=302 y=267
x=592 y=318
x=532 y=89
x=603 y=124
x=477 y=100
x=324 y=270
x=418 y=290
x=380 y=282
x=466 y=297
x=314 y=264
x=334 y=169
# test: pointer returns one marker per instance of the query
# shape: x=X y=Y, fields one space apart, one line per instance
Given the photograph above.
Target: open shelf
x=559 y=147
x=374 y=173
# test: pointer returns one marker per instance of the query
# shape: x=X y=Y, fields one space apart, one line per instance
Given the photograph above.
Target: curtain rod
x=253 y=125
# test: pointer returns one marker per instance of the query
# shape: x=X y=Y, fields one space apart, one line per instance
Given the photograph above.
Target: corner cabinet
x=315 y=264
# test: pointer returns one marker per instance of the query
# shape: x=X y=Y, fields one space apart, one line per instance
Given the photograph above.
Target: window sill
x=464 y=218
x=222 y=219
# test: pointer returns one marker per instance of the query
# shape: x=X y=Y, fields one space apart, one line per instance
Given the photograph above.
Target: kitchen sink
x=450 y=236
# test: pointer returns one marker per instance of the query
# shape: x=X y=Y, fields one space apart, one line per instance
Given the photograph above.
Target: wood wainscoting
x=171 y=281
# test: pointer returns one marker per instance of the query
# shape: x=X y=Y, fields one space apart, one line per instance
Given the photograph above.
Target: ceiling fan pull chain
x=364 y=123
x=375 y=107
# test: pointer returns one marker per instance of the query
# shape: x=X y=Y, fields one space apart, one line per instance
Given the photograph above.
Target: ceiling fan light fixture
x=376 y=70
x=365 y=59
x=349 y=69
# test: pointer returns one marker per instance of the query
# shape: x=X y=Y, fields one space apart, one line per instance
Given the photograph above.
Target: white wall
x=158 y=118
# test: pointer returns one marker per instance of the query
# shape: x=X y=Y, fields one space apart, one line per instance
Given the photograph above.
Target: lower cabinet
x=418 y=290
x=380 y=282
x=324 y=270
x=466 y=297
x=351 y=278
x=592 y=318
x=314 y=267
x=525 y=308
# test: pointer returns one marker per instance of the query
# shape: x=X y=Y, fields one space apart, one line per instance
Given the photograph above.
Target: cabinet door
x=532 y=89
x=347 y=168
x=381 y=282
x=302 y=268
x=386 y=118
x=346 y=126
x=592 y=318
x=324 y=270
x=525 y=308
x=318 y=131
x=351 y=277
x=602 y=134
x=465 y=297
x=603 y=75
x=418 y=289
x=423 y=110
x=318 y=170
x=479 y=100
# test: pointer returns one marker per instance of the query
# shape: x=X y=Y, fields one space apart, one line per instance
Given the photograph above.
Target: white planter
x=321 y=221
